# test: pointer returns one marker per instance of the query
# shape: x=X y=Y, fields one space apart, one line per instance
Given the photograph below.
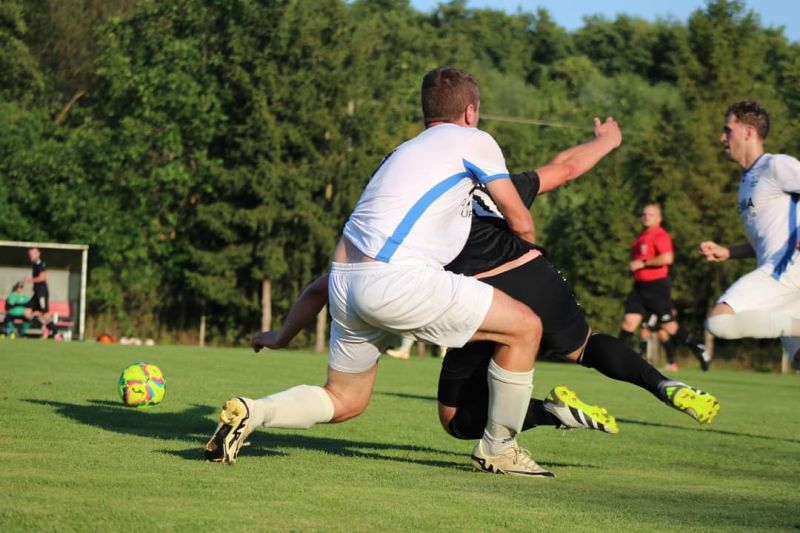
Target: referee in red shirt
x=651 y=256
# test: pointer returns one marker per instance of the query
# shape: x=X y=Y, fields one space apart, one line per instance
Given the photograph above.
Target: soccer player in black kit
x=520 y=269
x=39 y=305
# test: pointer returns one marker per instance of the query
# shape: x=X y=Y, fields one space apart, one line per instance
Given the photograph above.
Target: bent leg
x=343 y=397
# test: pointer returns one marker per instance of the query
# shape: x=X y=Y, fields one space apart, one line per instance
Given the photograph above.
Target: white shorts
x=371 y=303
x=759 y=291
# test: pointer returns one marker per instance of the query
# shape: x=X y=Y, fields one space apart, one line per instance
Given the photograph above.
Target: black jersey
x=491 y=242
x=39 y=288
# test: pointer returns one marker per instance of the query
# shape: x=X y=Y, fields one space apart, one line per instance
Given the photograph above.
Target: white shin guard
x=755 y=324
x=297 y=408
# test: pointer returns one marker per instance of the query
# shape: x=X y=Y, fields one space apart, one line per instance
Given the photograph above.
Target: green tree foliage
x=202 y=146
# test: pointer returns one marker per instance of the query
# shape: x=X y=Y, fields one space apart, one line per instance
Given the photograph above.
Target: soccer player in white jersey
x=766 y=302
x=387 y=277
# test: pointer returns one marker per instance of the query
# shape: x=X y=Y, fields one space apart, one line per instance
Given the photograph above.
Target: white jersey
x=768 y=195
x=416 y=209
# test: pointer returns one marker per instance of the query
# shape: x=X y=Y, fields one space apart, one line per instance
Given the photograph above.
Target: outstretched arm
x=308 y=306
x=578 y=160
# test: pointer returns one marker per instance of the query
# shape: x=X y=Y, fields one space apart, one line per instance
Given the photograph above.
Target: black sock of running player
x=669 y=349
x=612 y=358
x=688 y=339
x=625 y=336
x=643 y=348
x=470 y=419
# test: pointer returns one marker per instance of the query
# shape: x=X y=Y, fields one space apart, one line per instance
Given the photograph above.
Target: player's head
x=33 y=254
x=18 y=287
x=450 y=95
x=745 y=129
x=651 y=215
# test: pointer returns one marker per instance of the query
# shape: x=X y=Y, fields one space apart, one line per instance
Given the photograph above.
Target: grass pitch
x=72 y=458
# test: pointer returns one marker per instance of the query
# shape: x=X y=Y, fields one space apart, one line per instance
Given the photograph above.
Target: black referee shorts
x=540 y=286
x=651 y=298
x=38 y=303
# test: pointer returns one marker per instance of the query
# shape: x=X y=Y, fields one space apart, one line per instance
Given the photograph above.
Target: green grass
x=71 y=458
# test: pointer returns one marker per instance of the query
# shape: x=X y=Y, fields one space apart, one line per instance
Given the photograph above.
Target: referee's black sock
x=470 y=419
x=625 y=336
x=688 y=339
x=612 y=358
x=669 y=349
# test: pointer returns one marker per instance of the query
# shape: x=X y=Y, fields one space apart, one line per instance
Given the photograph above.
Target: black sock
x=643 y=348
x=686 y=338
x=470 y=419
x=625 y=337
x=612 y=358
x=669 y=349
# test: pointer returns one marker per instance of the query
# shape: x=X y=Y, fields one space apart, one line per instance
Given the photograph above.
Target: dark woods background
x=202 y=147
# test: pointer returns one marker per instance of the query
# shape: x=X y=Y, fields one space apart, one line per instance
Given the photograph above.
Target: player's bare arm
x=665 y=259
x=715 y=253
x=576 y=161
x=517 y=216
x=302 y=313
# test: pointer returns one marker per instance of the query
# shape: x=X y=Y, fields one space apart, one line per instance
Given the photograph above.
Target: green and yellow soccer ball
x=142 y=385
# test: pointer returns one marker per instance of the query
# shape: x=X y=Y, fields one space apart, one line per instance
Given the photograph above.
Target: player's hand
x=636 y=264
x=713 y=252
x=267 y=339
x=609 y=130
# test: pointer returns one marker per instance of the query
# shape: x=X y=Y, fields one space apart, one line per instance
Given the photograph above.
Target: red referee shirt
x=649 y=244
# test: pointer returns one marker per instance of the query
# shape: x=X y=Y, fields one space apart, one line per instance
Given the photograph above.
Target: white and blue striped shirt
x=416 y=209
x=768 y=196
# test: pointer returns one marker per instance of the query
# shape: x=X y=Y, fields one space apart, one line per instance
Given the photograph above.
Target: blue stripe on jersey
x=414 y=214
x=791 y=246
x=477 y=172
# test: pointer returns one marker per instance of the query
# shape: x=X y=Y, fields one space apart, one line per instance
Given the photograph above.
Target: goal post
x=67 y=266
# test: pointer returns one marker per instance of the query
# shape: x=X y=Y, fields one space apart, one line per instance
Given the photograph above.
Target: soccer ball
x=142 y=385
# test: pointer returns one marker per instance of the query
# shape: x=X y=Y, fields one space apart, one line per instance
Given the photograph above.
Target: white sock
x=509 y=396
x=756 y=324
x=297 y=408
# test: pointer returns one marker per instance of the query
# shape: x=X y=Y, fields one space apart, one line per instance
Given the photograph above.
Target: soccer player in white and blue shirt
x=387 y=277
x=766 y=302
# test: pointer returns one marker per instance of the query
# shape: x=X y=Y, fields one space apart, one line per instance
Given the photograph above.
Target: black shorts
x=540 y=286
x=38 y=303
x=651 y=298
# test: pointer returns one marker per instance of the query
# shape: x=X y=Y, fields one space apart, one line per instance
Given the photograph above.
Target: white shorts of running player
x=759 y=291
x=371 y=303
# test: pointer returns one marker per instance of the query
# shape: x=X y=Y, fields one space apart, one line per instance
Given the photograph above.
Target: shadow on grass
x=112 y=416
x=706 y=430
x=270 y=444
x=406 y=396
x=192 y=424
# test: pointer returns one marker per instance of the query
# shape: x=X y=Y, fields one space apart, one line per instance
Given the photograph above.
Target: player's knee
x=723 y=326
x=530 y=328
x=346 y=407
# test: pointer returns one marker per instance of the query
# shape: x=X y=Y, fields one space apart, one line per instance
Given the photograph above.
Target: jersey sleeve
x=663 y=243
x=483 y=159
x=786 y=170
x=527 y=185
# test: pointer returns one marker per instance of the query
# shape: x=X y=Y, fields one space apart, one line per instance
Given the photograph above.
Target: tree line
x=207 y=149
